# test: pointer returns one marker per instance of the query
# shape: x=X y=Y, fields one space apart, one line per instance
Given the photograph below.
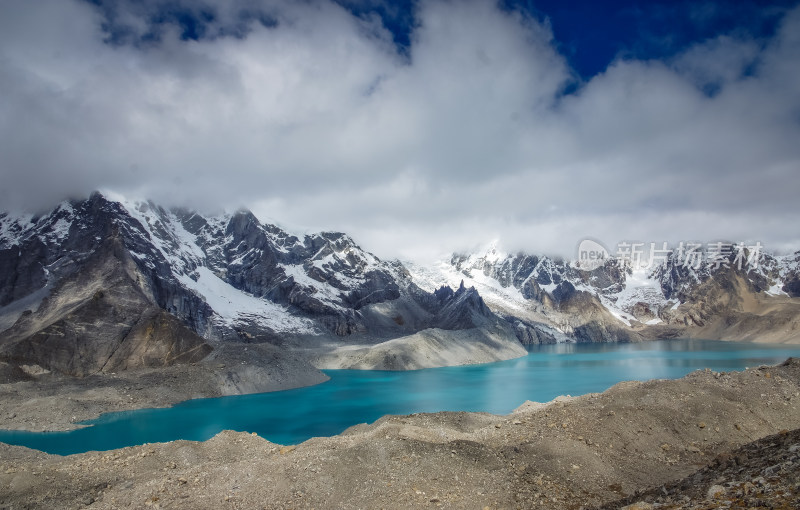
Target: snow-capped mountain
x=94 y=269
x=108 y=283
x=547 y=299
x=550 y=299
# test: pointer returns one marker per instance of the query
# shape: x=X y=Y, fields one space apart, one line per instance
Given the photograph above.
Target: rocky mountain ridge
x=105 y=284
x=551 y=299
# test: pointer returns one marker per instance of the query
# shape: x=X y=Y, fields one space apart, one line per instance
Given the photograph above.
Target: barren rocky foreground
x=761 y=474
x=569 y=453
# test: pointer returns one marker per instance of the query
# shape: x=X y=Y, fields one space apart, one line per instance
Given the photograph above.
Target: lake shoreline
x=595 y=449
x=55 y=402
x=58 y=403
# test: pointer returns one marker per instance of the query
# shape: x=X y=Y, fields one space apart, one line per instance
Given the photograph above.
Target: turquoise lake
x=356 y=396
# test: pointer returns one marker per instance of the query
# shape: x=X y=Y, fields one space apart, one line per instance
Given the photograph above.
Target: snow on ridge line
x=188 y=253
x=640 y=286
x=230 y=304
x=55 y=231
x=430 y=278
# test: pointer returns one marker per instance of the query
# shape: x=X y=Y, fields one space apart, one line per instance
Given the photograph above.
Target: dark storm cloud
x=473 y=127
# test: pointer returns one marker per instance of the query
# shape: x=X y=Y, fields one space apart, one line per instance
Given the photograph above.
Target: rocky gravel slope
x=761 y=474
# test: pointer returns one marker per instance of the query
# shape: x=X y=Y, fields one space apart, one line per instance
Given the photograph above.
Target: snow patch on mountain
x=320 y=290
x=11 y=228
x=777 y=289
x=615 y=311
x=234 y=306
x=641 y=287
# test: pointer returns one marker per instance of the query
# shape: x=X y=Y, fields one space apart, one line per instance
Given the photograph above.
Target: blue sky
x=590 y=34
x=421 y=126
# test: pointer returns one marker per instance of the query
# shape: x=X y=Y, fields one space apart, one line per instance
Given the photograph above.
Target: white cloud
x=319 y=122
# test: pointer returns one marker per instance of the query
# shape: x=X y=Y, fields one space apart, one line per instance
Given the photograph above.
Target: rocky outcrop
x=761 y=474
x=536 y=333
x=99 y=320
x=461 y=309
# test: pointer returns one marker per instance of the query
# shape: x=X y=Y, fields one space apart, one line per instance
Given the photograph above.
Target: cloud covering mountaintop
x=312 y=114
